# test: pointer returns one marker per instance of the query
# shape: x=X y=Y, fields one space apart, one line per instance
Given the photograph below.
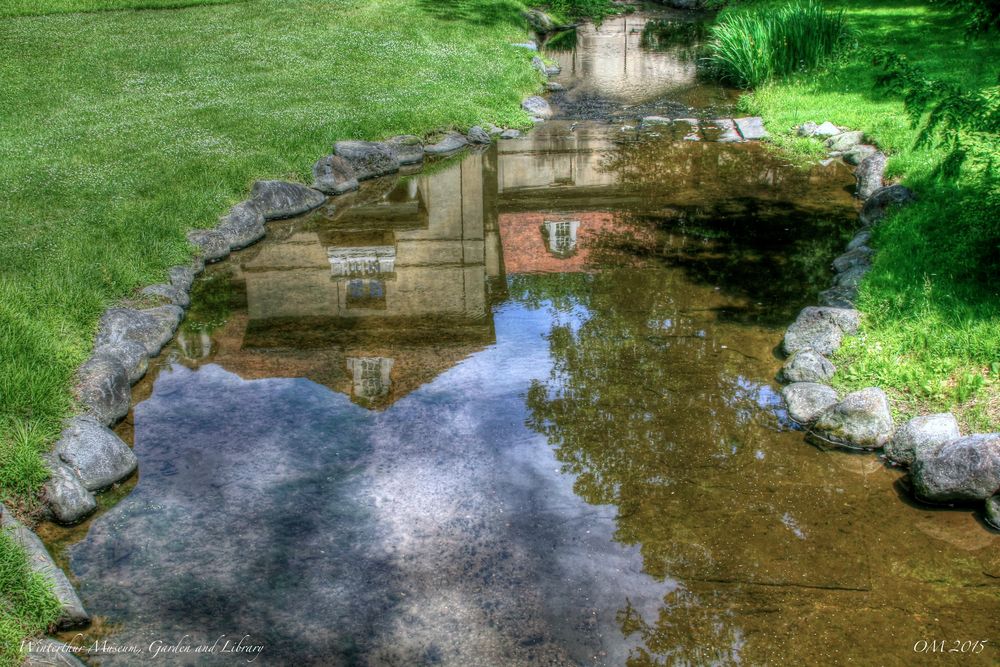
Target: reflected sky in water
x=519 y=410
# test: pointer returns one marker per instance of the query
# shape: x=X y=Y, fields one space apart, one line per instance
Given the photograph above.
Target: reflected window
x=366 y=293
x=370 y=375
x=560 y=236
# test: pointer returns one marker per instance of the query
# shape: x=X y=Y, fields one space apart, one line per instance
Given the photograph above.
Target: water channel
x=518 y=409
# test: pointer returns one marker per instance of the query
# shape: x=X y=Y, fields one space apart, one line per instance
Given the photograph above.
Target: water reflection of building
x=393 y=285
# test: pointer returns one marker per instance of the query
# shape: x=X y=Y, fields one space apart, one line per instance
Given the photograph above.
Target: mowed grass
x=28 y=608
x=120 y=131
x=931 y=334
x=40 y=7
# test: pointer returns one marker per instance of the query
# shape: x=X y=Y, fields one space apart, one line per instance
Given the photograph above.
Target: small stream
x=519 y=409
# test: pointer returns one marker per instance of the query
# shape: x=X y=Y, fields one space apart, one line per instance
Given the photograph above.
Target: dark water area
x=519 y=409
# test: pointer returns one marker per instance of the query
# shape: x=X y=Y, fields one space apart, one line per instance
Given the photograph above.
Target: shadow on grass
x=475 y=12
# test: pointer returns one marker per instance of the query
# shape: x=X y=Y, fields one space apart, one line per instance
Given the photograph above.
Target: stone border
x=944 y=467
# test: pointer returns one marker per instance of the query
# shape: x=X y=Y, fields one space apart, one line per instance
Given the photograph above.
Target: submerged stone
x=919 y=434
x=964 y=469
x=862 y=420
x=808 y=400
x=722 y=130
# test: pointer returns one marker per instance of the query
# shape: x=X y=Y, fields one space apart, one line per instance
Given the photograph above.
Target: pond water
x=519 y=409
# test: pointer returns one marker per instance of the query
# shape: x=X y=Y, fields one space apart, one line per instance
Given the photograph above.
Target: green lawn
x=931 y=302
x=121 y=130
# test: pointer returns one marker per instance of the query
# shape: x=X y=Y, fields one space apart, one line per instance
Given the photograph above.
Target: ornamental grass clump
x=749 y=47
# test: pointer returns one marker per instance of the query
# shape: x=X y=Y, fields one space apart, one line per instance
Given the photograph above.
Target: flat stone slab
x=722 y=130
x=71 y=612
x=751 y=128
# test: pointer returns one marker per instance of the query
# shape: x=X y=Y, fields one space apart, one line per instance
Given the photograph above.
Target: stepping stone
x=751 y=128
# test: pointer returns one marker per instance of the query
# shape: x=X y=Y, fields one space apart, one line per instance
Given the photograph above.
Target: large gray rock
x=862 y=420
x=176 y=296
x=243 y=225
x=450 y=143
x=409 y=149
x=845 y=141
x=856 y=155
x=919 y=434
x=751 y=128
x=808 y=400
x=334 y=175
x=71 y=611
x=181 y=277
x=860 y=239
x=370 y=159
x=869 y=174
x=821 y=329
x=212 y=245
x=964 y=469
x=807 y=365
x=132 y=355
x=478 y=135
x=45 y=652
x=859 y=256
x=103 y=388
x=839 y=296
x=152 y=327
x=95 y=453
x=883 y=200
x=852 y=277
x=283 y=199
x=510 y=134
x=67 y=497
x=992 y=511
x=537 y=106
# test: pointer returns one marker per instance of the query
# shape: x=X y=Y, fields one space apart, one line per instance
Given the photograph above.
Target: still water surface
x=519 y=409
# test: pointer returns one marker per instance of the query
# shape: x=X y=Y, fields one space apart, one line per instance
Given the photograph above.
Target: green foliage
x=751 y=46
x=980 y=16
x=943 y=112
x=583 y=9
x=27 y=606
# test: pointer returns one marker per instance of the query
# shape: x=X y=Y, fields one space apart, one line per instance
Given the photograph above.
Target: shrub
x=751 y=46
